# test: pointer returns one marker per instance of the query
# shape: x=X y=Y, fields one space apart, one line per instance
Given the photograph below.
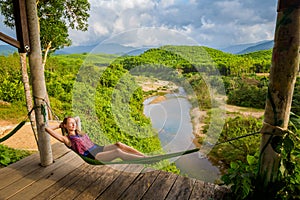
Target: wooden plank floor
x=70 y=178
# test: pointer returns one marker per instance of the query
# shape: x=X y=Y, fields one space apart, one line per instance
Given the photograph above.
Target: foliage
x=13 y=111
x=296 y=98
x=288 y=183
x=261 y=60
x=246 y=91
x=121 y=103
x=55 y=17
x=109 y=102
x=11 y=87
x=243 y=175
x=201 y=90
x=10 y=155
x=236 y=150
x=239 y=157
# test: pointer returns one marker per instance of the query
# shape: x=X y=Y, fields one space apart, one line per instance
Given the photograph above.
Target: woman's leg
x=123 y=147
x=116 y=153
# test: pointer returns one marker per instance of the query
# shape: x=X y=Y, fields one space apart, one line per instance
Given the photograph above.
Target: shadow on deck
x=70 y=178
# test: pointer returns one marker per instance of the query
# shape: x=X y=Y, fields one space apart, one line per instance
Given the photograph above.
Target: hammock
x=148 y=160
x=12 y=132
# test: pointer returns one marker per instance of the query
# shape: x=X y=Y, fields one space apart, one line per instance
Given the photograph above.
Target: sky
x=212 y=23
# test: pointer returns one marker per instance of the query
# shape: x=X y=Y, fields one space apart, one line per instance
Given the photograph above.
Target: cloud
x=150 y=37
x=214 y=23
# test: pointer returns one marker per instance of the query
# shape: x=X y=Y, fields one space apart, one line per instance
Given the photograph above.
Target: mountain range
x=248 y=48
x=7 y=49
x=121 y=50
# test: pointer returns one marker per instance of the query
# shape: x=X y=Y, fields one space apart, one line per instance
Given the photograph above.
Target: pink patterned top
x=81 y=144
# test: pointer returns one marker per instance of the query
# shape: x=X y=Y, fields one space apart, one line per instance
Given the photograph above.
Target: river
x=171 y=118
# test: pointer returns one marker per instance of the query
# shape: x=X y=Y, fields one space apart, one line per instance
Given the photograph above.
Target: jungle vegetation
x=101 y=88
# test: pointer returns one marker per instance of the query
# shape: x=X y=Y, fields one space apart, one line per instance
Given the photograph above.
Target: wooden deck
x=70 y=178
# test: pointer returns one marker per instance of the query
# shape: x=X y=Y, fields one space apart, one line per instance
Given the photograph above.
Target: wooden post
x=38 y=82
x=21 y=25
x=283 y=74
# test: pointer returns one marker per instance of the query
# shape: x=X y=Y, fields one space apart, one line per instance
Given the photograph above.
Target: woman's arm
x=58 y=136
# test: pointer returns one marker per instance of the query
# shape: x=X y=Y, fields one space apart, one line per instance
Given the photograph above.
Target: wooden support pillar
x=21 y=25
x=22 y=42
x=38 y=82
x=283 y=74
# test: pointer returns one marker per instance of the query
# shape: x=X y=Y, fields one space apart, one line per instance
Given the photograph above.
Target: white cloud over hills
x=214 y=23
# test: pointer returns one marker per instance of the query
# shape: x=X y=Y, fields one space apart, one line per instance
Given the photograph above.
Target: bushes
x=248 y=96
x=245 y=182
x=246 y=92
x=252 y=92
x=9 y=155
x=238 y=149
x=11 y=87
x=12 y=90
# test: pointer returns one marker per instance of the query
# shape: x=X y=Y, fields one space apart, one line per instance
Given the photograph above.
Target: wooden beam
x=9 y=40
x=21 y=25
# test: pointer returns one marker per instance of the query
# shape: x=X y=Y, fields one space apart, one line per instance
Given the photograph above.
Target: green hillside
x=102 y=90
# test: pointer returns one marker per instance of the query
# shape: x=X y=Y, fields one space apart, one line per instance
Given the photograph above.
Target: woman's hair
x=78 y=125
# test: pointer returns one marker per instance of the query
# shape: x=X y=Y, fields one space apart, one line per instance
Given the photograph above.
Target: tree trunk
x=25 y=81
x=50 y=117
x=38 y=83
x=46 y=53
x=283 y=74
x=26 y=85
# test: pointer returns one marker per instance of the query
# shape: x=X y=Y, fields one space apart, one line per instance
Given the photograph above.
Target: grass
x=14 y=112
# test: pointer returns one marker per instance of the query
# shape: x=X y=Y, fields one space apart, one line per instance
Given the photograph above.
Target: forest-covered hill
x=238 y=74
x=99 y=88
x=188 y=62
x=102 y=90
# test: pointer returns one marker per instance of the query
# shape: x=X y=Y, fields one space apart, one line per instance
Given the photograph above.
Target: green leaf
x=234 y=165
x=288 y=144
x=5 y=160
x=251 y=159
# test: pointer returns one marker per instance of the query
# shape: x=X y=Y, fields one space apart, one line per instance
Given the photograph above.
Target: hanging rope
x=22 y=123
x=12 y=132
x=237 y=138
x=32 y=126
x=18 y=127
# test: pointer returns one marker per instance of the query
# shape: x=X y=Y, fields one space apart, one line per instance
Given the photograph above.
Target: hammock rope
x=19 y=126
x=12 y=132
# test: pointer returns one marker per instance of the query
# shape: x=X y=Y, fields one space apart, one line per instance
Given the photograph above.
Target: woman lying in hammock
x=81 y=143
